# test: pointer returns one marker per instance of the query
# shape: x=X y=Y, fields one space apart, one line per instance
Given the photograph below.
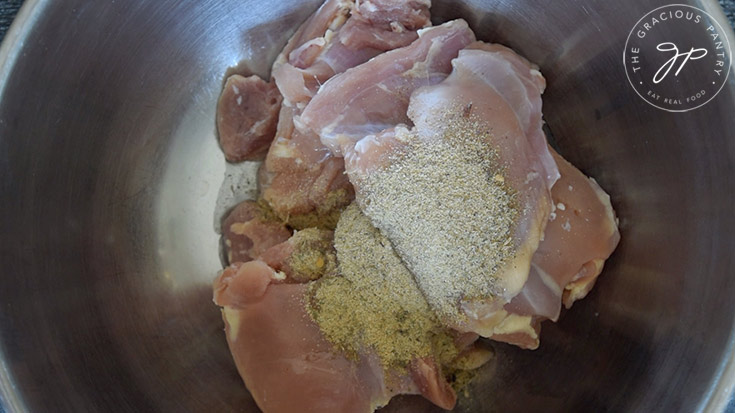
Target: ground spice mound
x=312 y=256
x=444 y=203
x=375 y=304
x=325 y=215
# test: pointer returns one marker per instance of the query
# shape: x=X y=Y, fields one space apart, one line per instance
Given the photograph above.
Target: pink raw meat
x=248 y=232
x=247 y=113
x=581 y=234
x=374 y=96
x=341 y=35
x=288 y=365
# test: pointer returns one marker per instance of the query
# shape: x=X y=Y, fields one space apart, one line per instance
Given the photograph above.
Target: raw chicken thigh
x=247 y=113
x=521 y=85
x=342 y=34
x=302 y=182
x=581 y=234
x=249 y=230
x=286 y=363
x=285 y=360
x=480 y=261
x=374 y=96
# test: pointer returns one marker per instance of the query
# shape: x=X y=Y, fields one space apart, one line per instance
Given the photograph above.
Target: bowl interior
x=110 y=176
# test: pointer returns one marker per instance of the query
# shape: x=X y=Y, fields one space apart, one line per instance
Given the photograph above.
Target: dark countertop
x=9 y=8
x=729 y=6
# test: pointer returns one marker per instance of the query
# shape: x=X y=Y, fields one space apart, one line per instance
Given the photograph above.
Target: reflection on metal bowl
x=110 y=171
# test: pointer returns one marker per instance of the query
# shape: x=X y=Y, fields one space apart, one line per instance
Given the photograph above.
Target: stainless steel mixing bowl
x=110 y=170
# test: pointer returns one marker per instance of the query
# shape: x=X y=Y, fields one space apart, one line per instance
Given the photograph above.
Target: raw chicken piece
x=330 y=15
x=385 y=24
x=247 y=113
x=374 y=96
x=357 y=31
x=306 y=256
x=302 y=182
x=289 y=366
x=280 y=353
x=416 y=212
x=249 y=230
x=581 y=234
x=426 y=376
x=521 y=85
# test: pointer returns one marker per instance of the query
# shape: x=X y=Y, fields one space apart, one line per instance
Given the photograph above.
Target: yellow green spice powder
x=375 y=304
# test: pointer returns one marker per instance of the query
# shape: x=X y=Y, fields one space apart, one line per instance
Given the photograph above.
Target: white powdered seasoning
x=444 y=203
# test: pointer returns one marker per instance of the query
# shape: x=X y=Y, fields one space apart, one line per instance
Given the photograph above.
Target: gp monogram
x=677 y=58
